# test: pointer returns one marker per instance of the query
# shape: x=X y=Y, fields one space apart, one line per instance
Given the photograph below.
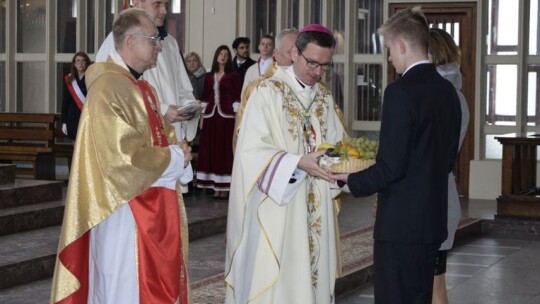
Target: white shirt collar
x=264 y=64
x=299 y=84
x=416 y=63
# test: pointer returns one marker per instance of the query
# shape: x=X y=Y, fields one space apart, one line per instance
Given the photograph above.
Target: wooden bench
x=29 y=138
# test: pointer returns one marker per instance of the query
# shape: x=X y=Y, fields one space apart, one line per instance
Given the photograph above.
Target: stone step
x=29 y=191
x=30 y=256
x=7 y=173
x=208 y=285
x=30 y=217
x=205 y=219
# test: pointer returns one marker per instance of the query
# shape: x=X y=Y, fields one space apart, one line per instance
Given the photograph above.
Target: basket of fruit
x=350 y=155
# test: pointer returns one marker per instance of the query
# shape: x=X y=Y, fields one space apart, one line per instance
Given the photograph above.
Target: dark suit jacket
x=418 y=147
x=70 y=111
x=242 y=69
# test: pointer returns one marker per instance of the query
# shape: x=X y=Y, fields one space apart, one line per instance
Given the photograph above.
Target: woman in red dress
x=221 y=96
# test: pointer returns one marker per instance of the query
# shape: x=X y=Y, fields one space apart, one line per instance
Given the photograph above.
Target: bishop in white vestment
x=281 y=240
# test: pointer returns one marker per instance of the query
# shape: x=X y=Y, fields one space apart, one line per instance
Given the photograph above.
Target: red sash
x=75 y=91
x=162 y=273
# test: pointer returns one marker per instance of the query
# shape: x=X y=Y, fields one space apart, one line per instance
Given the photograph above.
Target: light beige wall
x=211 y=23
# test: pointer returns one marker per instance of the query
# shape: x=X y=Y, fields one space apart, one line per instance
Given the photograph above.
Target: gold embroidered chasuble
x=289 y=247
x=114 y=136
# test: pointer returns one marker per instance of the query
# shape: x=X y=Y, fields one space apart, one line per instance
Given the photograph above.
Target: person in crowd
x=74 y=94
x=266 y=50
x=282 y=54
x=446 y=56
x=284 y=44
x=241 y=60
x=281 y=238
x=124 y=235
x=169 y=77
x=221 y=99
x=419 y=139
x=196 y=73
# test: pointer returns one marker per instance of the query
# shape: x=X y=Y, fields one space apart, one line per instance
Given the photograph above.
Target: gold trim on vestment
x=244 y=204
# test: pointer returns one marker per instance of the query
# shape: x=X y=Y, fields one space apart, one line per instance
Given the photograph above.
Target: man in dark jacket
x=242 y=61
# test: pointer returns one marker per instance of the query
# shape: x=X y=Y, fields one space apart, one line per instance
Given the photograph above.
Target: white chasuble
x=281 y=238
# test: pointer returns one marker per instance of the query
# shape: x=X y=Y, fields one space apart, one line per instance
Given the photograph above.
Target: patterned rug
x=357 y=248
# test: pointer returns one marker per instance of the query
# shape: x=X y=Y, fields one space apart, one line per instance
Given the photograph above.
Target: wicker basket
x=352 y=165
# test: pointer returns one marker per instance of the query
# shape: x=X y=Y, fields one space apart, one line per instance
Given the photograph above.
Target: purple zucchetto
x=316 y=28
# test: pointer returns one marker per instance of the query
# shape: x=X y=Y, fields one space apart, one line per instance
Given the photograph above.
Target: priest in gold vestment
x=281 y=240
x=124 y=234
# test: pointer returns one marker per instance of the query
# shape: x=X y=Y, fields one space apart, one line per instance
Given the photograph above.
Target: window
x=66 y=14
x=30 y=87
x=44 y=46
x=357 y=77
x=2 y=86
x=265 y=16
x=176 y=20
x=90 y=26
x=3 y=27
x=501 y=94
x=511 y=103
x=315 y=11
x=31 y=26
x=293 y=11
x=2 y=53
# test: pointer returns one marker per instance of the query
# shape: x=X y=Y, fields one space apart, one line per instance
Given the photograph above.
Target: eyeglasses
x=155 y=40
x=314 y=64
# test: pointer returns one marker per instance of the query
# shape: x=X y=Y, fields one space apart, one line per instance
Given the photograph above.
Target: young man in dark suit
x=241 y=60
x=418 y=147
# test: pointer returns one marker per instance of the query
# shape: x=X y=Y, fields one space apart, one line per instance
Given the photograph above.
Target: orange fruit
x=352 y=152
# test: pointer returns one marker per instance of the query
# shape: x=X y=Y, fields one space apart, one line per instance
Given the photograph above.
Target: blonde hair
x=443 y=48
x=409 y=24
x=193 y=54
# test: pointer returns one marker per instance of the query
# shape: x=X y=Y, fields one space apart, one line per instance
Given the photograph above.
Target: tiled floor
x=483 y=270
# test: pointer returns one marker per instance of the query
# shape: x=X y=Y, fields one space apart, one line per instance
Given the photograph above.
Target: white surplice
x=281 y=241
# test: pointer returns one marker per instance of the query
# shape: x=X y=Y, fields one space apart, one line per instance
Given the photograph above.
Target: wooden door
x=459 y=19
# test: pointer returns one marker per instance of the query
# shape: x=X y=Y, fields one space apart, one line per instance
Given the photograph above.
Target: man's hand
x=309 y=164
x=186 y=149
x=173 y=116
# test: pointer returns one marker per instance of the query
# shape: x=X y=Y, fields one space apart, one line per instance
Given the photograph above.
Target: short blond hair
x=194 y=54
x=411 y=25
